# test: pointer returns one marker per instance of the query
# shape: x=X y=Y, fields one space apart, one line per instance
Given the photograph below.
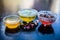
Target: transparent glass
x=11 y=21
x=46 y=17
x=27 y=15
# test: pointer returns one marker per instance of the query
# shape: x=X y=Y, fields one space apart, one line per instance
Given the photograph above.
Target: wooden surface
x=34 y=35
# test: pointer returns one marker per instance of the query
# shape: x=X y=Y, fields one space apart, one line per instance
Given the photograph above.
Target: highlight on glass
x=46 y=17
x=28 y=16
x=12 y=22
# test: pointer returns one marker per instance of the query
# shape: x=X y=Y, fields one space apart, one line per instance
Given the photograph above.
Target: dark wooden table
x=34 y=35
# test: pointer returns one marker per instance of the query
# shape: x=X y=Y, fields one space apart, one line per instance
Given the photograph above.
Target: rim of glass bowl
x=10 y=16
x=36 y=12
x=50 y=12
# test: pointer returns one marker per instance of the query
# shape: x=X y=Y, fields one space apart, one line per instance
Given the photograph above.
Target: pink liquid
x=45 y=22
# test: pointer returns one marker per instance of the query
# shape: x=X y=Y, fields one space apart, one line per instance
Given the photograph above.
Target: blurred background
x=8 y=7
